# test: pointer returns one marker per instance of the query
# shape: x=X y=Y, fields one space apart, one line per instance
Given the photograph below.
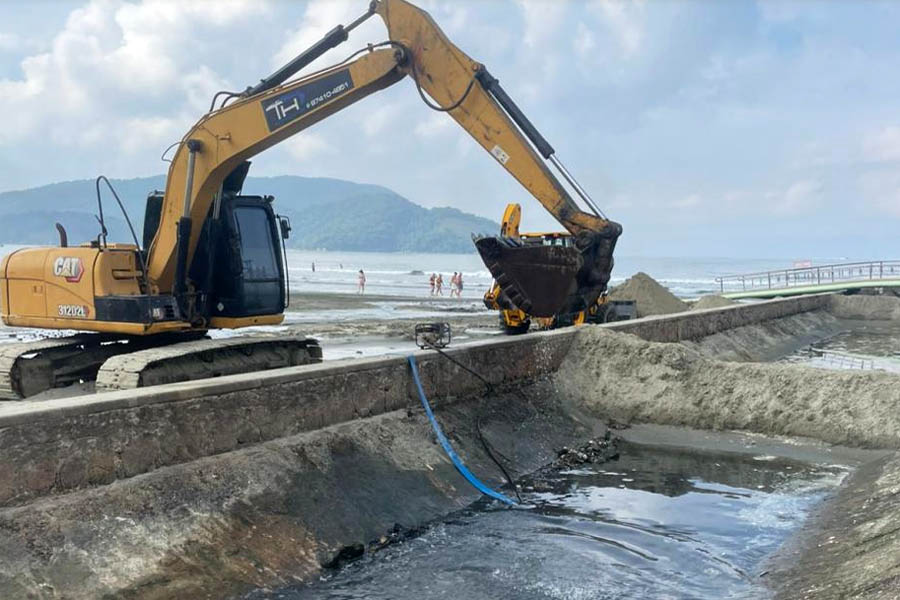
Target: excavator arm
x=541 y=281
x=483 y=109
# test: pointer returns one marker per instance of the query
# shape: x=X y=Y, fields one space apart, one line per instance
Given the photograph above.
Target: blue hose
x=476 y=483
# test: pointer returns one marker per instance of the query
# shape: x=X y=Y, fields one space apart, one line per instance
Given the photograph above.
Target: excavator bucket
x=549 y=280
x=536 y=279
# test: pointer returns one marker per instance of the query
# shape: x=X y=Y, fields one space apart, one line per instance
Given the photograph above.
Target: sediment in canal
x=210 y=488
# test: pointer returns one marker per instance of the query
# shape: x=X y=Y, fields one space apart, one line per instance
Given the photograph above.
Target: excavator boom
x=541 y=281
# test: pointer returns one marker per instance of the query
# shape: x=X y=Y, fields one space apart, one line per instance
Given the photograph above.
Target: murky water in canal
x=866 y=345
x=654 y=524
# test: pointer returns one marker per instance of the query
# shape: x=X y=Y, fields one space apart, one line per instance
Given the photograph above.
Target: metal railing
x=839 y=360
x=809 y=276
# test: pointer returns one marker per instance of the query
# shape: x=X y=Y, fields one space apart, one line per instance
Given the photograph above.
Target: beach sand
x=351 y=325
x=341 y=321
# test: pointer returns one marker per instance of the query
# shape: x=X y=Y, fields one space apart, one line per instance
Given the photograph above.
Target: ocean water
x=401 y=274
x=406 y=274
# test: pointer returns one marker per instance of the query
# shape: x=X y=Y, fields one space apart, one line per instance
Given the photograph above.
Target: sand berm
x=622 y=377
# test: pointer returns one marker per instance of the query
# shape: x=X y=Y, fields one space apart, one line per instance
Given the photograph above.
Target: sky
x=740 y=128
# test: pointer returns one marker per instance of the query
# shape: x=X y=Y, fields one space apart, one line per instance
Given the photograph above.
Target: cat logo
x=70 y=268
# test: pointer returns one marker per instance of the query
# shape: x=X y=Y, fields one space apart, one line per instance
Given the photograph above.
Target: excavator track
x=29 y=368
x=206 y=358
x=114 y=362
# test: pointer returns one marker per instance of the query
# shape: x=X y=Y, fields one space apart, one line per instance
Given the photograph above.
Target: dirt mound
x=620 y=376
x=651 y=297
x=712 y=301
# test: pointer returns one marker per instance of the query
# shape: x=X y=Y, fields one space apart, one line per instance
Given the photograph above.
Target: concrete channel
x=210 y=488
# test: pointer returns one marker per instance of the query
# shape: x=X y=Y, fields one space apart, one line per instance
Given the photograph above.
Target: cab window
x=257 y=245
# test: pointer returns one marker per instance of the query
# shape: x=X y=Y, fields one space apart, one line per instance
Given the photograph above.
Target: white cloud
x=155 y=132
x=624 y=19
x=800 y=196
x=584 y=41
x=434 y=125
x=307 y=145
x=779 y=11
x=543 y=19
x=450 y=17
x=377 y=120
x=320 y=17
x=9 y=41
x=881 y=191
x=883 y=145
x=676 y=104
x=689 y=201
x=120 y=75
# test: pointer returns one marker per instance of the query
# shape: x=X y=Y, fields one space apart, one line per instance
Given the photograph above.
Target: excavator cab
x=238 y=267
x=245 y=240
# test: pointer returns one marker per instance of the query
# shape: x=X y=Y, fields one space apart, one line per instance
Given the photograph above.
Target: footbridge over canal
x=812 y=280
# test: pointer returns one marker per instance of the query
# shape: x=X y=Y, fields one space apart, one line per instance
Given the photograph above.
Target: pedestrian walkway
x=812 y=280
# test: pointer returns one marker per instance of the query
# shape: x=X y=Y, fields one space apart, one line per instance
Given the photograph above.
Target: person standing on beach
x=453 y=284
x=314 y=266
x=438 y=285
x=361 y=289
x=459 y=285
x=431 y=281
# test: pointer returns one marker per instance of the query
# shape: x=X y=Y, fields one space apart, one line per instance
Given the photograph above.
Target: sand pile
x=620 y=376
x=712 y=301
x=651 y=297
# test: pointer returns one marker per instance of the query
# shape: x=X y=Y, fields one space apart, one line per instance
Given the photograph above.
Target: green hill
x=330 y=214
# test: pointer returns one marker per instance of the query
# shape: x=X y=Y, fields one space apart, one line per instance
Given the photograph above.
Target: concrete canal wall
x=207 y=488
x=55 y=446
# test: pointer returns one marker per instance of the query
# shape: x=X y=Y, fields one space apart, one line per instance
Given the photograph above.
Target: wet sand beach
x=370 y=324
x=364 y=325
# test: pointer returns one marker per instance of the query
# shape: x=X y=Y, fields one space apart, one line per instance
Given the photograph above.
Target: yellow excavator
x=212 y=258
x=514 y=320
